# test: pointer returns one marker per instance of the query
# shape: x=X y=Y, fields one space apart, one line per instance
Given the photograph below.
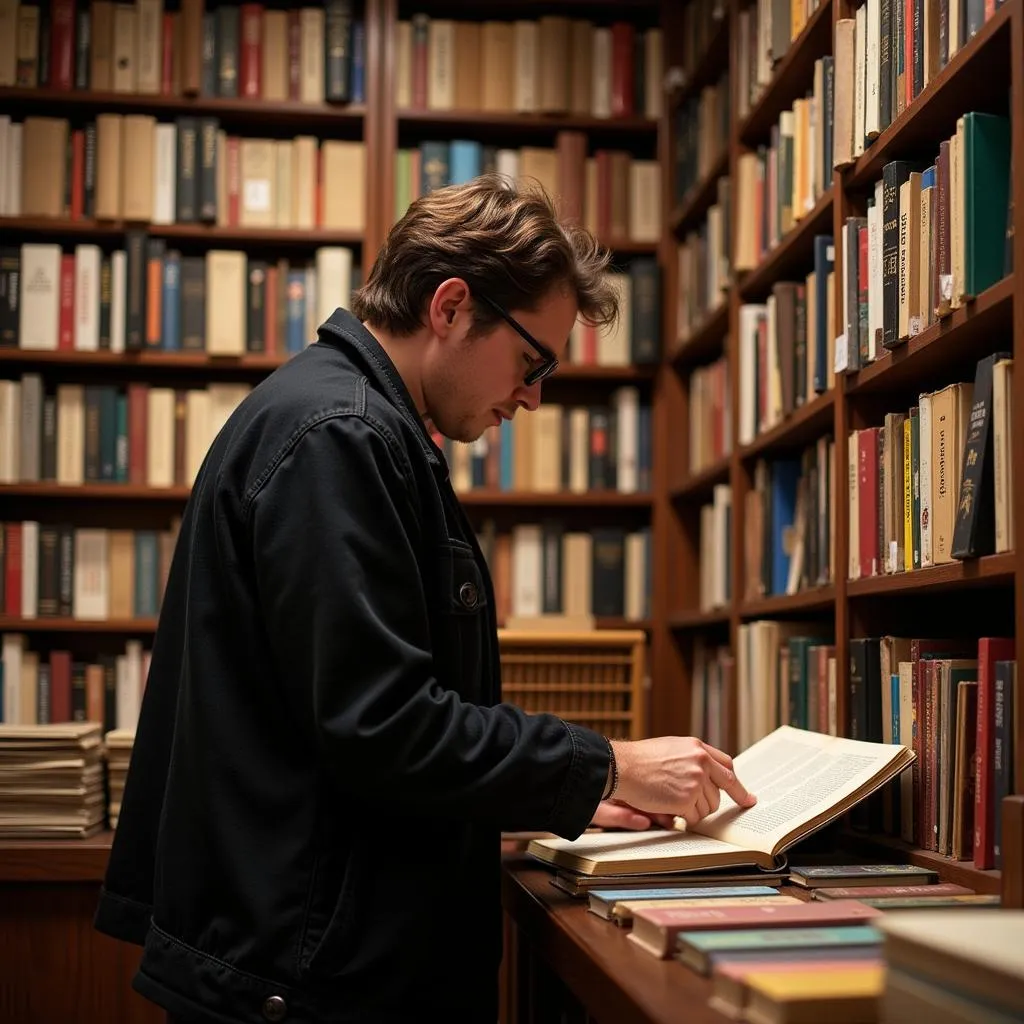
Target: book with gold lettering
x=802 y=780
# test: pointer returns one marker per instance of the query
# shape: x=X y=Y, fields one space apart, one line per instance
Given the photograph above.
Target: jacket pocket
x=462 y=620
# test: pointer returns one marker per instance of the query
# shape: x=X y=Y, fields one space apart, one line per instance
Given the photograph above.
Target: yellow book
x=622 y=913
x=839 y=996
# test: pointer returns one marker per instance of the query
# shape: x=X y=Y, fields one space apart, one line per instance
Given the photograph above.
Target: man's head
x=491 y=284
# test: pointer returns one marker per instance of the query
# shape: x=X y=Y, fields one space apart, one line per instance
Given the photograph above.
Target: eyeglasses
x=550 y=363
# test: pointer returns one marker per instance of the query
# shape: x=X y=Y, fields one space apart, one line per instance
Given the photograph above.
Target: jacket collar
x=345 y=331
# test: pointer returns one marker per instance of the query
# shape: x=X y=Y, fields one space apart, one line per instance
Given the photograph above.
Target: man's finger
x=726 y=779
x=719 y=755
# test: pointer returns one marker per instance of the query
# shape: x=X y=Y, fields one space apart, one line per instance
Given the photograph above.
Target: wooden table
x=561 y=959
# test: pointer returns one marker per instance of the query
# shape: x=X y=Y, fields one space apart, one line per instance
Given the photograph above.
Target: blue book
x=602 y=901
x=785 y=475
x=170 y=329
x=357 y=92
x=466 y=159
x=295 y=327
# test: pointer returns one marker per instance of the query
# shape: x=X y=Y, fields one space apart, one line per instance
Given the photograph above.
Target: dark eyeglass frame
x=550 y=364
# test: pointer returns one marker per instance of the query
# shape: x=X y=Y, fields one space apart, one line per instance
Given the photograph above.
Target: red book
x=250 y=58
x=167 y=55
x=270 y=313
x=867 y=500
x=138 y=419
x=77 y=174
x=622 y=69
x=234 y=172
x=66 y=334
x=12 y=570
x=990 y=650
x=60 y=686
x=62 y=45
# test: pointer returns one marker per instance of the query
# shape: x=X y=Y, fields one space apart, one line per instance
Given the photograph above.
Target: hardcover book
x=802 y=781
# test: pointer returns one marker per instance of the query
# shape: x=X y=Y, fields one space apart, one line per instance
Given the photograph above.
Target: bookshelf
x=981 y=596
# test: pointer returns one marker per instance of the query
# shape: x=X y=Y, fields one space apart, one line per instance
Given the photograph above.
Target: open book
x=802 y=781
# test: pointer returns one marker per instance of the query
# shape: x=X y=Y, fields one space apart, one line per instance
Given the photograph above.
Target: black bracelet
x=613 y=771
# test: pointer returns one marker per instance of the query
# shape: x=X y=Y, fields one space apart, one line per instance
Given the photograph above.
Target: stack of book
x=51 y=780
x=119 y=744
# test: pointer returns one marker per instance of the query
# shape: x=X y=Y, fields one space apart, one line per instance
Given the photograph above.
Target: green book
x=986 y=195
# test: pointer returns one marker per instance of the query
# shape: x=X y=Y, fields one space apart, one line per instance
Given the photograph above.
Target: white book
x=225 y=302
x=626 y=402
x=601 y=73
x=88 y=259
x=507 y=162
x=403 y=64
x=165 y=173
x=872 y=108
x=859 y=78
x=284 y=203
x=874 y=218
x=197 y=431
x=311 y=27
x=441 y=64
x=635 y=558
x=129 y=686
x=92 y=574
x=118 y=298
x=527 y=570
x=750 y=317
x=333 y=281
x=12 y=199
x=70 y=434
x=613 y=343
x=527 y=56
x=13 y=656
x=29 y=569
x=579 y=450
x=160 y=437
x=644 y=201
x=10 y=431
x=39 y=313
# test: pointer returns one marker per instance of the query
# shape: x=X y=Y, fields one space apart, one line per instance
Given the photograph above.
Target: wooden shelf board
x=793 y=255
x=966 y=83
x=553 y=499
x=793 y=76
x=814 y=599
x=960 y=872
x=488 y=121
x=66 y=625
x=706 y=340
x=63 y=227
x=700 y=197
x=943 y=345
x=694 y=618
x=709 y=68
x=809 y=421
x=284 y=112
x=703 y=480
x=117 y=492
x=55 y=860
x=988 y=570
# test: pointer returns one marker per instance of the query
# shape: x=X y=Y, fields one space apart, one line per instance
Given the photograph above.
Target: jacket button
x=274 y=1008
x=468 y=594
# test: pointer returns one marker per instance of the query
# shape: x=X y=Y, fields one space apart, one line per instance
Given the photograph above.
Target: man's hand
x=616 y=814
x=676 y=775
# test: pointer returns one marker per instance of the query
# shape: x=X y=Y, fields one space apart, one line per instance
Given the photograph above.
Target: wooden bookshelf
x=702 y=195
x=987 y=73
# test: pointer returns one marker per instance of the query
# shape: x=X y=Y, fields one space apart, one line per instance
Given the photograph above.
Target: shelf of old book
x=702 y=481
x=68 y=625
x=808 y=422
x=791 y=76
x=975 y=78
x=815 y=599
x=957 y=340
x=703 y=194
x=259 y=112
x=793 y=255
x=705 y=341
x=988 y=570
x=709 y=68
x=56 y=228
x=497 y=123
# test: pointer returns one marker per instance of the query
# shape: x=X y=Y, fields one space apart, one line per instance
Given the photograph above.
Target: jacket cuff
x=585 y=784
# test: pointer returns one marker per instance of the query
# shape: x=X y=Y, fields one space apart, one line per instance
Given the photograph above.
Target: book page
x=797 y=777
x=638 y=846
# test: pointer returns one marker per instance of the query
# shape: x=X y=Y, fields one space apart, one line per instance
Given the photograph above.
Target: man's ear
x=449 y=304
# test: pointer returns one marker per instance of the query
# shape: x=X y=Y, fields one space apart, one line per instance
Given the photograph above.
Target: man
x=310 y=827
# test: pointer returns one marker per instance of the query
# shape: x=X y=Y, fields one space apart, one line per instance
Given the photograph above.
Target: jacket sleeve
x=336 y=533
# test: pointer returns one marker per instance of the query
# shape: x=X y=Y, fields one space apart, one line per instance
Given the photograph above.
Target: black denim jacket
x=310 y=826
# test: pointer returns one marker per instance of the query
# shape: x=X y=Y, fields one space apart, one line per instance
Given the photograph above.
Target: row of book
x=553 y=568
x=57 y=570
x=934 y=236
x=890 y=52
x=704 y=265
x=305 y=54
x=701 y=136
x=933 y=484
x=561 y=448
x=44 y=687
x=780 y=182
x=613 y=194
x=784 y=346
x=551 y=65
x=148 y=297
x=710 y=415
x=187 y=171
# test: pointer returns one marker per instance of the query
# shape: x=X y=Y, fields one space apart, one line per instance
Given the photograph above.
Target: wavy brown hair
x=503 y=238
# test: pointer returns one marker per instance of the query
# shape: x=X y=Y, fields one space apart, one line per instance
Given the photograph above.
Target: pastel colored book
x=655 y=929
x=697 y=948
x=730 y=992
x=928 y=903
x=838 y=997
x=580 y=886
x=802 y=780
x=861 y=874
x=603 y=901
x=622 y=913
x=864 y=892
